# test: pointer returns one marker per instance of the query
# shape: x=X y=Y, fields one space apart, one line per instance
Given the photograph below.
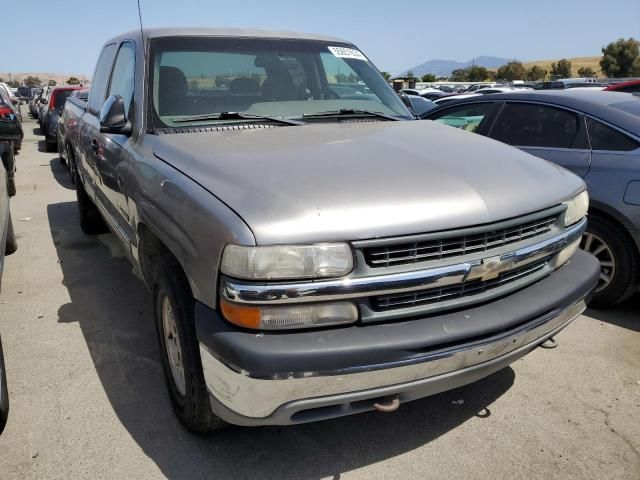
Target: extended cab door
x=552 y=133
x=110 y=153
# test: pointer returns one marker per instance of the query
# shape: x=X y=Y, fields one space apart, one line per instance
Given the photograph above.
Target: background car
x=33 y=101
x=594 y=134
x=10 y=115
x=420 y=105
x=41 y=105
x=10 y=132
x=632 y=86
x=24 y=93
x=68 y=128
x=51 y=114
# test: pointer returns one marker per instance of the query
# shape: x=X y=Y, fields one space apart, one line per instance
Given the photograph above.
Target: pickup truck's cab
x=312 y=251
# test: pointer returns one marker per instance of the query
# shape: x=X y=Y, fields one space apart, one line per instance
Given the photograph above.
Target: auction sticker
x=344 y=52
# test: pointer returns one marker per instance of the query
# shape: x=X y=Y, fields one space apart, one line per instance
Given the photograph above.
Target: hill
x=443 y=68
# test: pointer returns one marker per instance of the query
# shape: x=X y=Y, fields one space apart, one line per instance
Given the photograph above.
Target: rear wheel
x=91 y=220
x=619 y=274
x=180 y=355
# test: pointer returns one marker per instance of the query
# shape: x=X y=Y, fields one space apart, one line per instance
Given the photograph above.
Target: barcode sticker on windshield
x=344 y=52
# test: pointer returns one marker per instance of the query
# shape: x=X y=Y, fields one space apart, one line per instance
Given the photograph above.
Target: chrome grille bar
x=416 y=252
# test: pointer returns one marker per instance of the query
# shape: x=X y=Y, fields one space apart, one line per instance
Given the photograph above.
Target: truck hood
x=353 y=181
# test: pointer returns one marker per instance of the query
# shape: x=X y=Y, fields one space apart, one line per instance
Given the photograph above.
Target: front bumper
x=287 y=378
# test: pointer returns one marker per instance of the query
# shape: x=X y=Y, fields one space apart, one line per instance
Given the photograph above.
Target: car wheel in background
x=179 y=349
x=61 y=150
x=12 y=244
x=619 y=275
x=51 y=146
x=91 y=220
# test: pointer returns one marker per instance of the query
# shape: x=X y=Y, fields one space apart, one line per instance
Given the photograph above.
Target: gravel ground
x=88 y=398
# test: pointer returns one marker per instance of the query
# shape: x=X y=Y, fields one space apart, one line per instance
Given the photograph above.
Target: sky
x=395 y=35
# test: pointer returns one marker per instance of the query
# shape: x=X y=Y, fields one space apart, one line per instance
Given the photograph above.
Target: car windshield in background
x=61 y=97
x=292 y=79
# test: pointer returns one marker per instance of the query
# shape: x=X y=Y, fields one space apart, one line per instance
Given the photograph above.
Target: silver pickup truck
x=312 y=250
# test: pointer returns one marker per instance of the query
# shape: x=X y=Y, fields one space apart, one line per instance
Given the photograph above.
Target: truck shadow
x=624 y=315
x=61 y=173
x=113 y=310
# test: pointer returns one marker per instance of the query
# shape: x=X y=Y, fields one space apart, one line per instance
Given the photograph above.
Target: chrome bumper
x=243 y=399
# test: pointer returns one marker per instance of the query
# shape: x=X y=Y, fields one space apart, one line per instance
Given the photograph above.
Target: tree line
x=32 y=81
x=619 y=59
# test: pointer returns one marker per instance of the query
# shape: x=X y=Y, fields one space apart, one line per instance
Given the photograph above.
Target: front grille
x=454 y=246
x=450 y=292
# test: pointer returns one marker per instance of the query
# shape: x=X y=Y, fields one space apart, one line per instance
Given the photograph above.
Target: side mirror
x=15 y=101
x=113 y=118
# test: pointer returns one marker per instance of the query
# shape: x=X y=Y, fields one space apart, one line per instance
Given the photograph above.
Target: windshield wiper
x=236 y=116
x=350 y=112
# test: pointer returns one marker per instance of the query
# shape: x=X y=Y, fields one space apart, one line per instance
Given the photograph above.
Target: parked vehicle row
x=47 y=107
x=11 y=135
x=315 y=251
x=594 y=134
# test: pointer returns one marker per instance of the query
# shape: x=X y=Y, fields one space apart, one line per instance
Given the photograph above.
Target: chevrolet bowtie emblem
x=489 y=268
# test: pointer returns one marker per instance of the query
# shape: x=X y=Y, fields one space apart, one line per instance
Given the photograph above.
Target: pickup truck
x=312 y=250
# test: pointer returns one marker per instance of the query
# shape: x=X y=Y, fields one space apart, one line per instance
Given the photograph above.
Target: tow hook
x=387 y=404
x=549 y=344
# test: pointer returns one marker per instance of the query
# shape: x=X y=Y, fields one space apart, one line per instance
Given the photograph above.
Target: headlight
x=577 y=209
x=291 y=316
x=281 y=262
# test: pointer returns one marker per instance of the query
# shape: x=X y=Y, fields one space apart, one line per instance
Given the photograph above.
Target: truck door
x=552 y=133
x=112 y=152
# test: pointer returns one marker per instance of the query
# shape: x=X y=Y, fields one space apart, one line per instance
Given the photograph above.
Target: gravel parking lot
x=88 y=399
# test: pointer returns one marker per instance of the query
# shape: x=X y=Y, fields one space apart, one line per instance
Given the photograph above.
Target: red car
x=632 y=86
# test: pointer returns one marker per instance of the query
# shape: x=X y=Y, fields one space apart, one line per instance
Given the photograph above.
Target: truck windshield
x=279 y=78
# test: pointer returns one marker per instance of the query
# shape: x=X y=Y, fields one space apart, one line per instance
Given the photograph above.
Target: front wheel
x=619 y=274
x=180 y=355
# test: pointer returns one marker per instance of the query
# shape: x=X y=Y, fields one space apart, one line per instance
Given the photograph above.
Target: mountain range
x=443 y=68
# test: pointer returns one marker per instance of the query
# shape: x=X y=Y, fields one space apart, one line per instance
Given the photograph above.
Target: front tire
x=91 y=220
x=179 y=351
x=619 y=274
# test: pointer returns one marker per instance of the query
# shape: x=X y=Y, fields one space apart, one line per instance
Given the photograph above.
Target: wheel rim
x=598 y=248
x=172 y=345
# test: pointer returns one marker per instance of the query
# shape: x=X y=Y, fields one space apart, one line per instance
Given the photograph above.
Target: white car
x=488 y=90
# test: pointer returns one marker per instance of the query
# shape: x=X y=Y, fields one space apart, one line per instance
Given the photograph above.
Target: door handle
x=94 y=145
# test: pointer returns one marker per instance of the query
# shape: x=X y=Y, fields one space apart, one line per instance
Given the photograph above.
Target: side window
x=466 y=117
x=123 y=75
x=101 y=78
x=606 y=138
x=527 y=125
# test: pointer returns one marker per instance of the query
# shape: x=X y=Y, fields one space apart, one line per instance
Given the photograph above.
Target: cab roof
x=223 y=32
